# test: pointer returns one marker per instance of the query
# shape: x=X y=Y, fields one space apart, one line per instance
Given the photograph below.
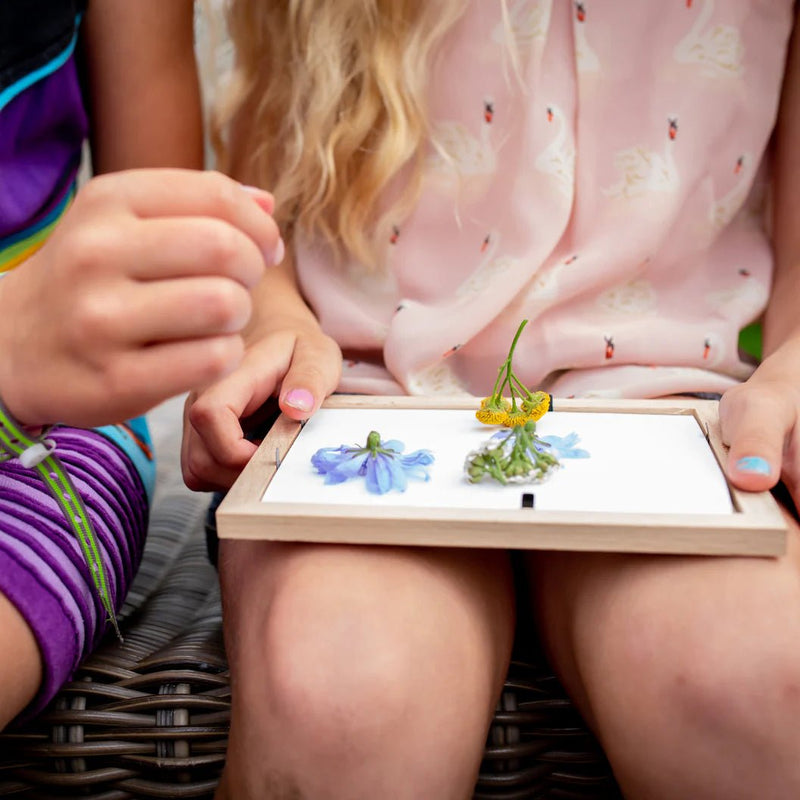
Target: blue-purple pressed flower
x=562 y=446
x=511 y=456
x=382 y=464
x=558 y=446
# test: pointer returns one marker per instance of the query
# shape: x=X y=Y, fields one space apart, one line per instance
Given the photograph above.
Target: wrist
x=781 y=366
x=297 y=321
x=19 y=372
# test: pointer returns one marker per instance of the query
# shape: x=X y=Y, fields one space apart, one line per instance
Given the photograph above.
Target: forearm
x=278 y=303
x=781 y=320
x=143 y=89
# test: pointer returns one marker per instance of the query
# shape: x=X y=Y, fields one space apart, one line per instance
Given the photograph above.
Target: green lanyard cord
x=37 y=453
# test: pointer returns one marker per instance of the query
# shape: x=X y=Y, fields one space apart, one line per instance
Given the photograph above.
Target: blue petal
x=328 y=458
x=338 y=464
x=352 y=465
x=393 y=444
x=418 y=457
x=564 y=446
x=380 y=478
x=398 y=474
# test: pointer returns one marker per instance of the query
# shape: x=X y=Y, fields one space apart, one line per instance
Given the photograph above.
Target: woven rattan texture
x=149 y=718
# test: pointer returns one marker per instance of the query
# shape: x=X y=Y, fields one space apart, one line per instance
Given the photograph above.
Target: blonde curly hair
x=327 y=104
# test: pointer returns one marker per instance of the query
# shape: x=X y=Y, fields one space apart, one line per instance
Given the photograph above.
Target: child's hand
x=759 y=421
x=140 y=293
x=296 y=358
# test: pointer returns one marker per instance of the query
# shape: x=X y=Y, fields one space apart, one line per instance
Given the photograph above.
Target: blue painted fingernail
x=754 y=464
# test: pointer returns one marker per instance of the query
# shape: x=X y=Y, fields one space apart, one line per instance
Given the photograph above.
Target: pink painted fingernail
x=301 y=399
x=280 y=252
x=262 y=197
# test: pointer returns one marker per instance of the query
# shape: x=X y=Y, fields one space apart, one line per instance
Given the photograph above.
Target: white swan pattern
x=645 y=171
x=528 y=21
x=718 y=49
x=558 y=158
x=458 y=151
x=724 y=209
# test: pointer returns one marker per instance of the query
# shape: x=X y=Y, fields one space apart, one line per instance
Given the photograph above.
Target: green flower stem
x=521 y=387
x=505 y=367
x=498 y=389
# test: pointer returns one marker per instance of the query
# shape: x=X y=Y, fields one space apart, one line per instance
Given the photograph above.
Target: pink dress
x=604 y=178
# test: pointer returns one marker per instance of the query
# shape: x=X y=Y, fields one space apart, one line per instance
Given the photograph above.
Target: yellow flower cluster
x=499 y=411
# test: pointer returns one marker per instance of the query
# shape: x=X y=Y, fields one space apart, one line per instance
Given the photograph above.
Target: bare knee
x=358 y=653
x=691 y=673
x=352 y=665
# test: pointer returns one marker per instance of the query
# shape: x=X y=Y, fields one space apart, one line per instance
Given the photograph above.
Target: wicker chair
x=149 y=718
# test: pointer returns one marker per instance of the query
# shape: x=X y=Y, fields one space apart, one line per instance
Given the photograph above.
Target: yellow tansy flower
x=515 y=418
x=491 y=416
x=536 y=406
x=493 y=410
x=496 y=403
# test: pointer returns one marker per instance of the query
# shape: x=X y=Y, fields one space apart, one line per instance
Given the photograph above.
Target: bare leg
x=687 y=668
x=21 y=665
x=361 y=672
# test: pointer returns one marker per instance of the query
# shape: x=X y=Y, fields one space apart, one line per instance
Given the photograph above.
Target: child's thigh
x=711 y=631
x=362 y=671
x=338 y=618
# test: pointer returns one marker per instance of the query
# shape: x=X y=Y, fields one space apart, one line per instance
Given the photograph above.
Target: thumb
x=756 y=420
x=313 y=374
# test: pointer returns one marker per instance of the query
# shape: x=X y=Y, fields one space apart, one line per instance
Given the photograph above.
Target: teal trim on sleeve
x=133 y=438
x=47 y=219
x=10 y=92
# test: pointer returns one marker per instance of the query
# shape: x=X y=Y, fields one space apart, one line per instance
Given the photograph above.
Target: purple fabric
x=41 y=134
x=42 y=568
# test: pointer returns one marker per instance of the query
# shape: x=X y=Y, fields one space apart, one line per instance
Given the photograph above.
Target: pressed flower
x=511 y=456
x=382 y=464
x=561 y=446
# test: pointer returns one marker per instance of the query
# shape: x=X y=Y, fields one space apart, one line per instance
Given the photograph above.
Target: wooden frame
x=756 y=527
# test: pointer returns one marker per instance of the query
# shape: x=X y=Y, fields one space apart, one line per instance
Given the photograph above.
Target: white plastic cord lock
x=36 y=453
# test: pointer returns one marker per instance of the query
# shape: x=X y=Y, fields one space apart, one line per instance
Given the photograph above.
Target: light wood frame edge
x=758 y=527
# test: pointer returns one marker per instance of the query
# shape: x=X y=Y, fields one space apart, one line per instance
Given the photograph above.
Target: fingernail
x=263 y=198
x=301 y=399
x=280 y=252
x=754 y=464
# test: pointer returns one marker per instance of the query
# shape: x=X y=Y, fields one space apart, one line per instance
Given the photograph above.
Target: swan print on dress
x=457 y=150
x=724 y=208
x=717 y=49
x=585 y=57
x=552 y=184
x=645 y=171
x=632 y=298
x=527 y=22
x=558 y=158
x=490 y=268
x=438 y=378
